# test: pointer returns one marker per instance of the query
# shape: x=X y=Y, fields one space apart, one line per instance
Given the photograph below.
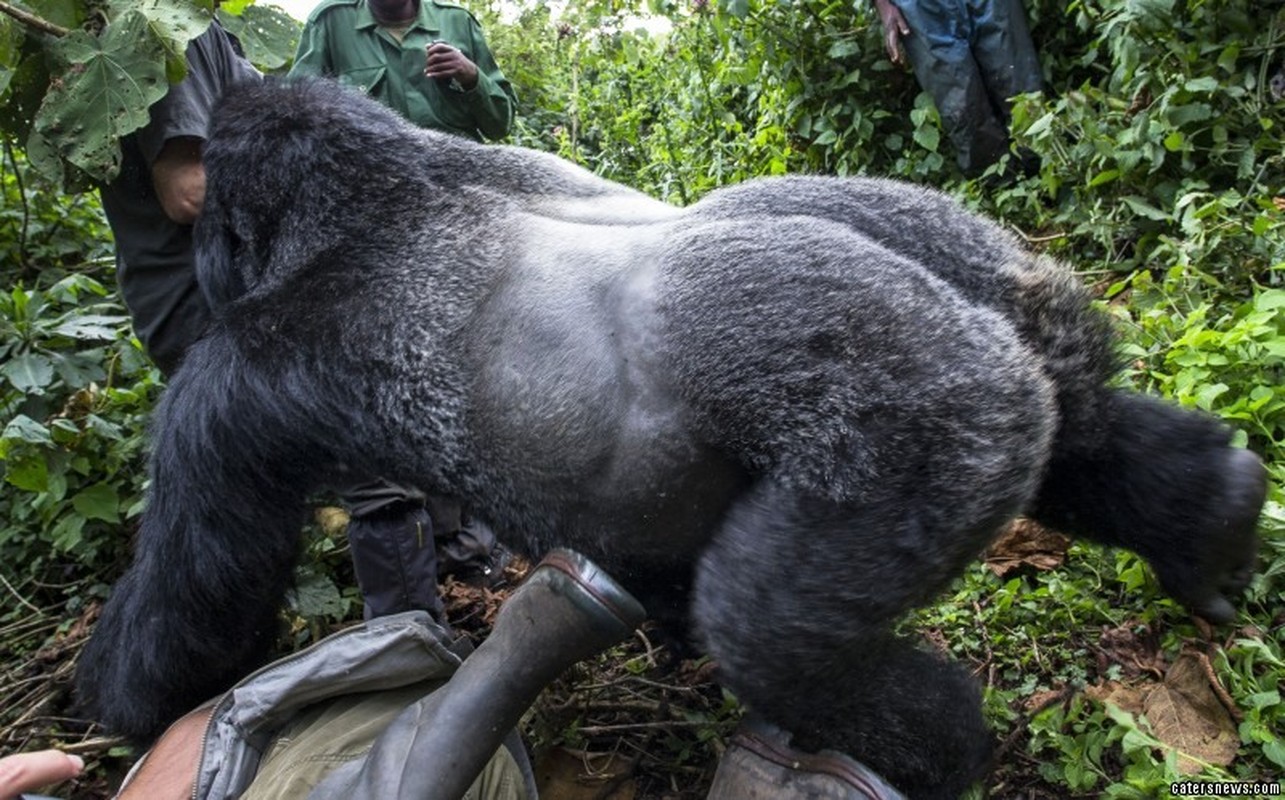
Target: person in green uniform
x=426 y=59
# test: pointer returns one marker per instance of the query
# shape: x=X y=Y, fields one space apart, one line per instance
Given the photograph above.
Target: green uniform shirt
x=343 y=40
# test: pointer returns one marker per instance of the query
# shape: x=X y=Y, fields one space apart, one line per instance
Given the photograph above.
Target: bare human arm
x=894 y=28
x=179 y=179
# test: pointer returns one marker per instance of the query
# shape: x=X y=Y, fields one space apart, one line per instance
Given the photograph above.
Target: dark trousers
x=972 y=56
x=402 y=541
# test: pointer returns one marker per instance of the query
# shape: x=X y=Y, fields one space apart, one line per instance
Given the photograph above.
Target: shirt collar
x=425 y=20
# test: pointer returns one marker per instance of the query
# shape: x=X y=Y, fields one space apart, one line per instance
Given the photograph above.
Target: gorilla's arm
x=217 y=544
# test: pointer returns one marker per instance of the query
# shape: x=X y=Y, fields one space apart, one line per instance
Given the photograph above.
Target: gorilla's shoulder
x=303 y=107
x=315 y=117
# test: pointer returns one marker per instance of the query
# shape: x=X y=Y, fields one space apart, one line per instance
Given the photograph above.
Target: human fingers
x=892 y=44
x=442 y=60
x=449 y=62
x=895 y=27
x=443 y=53
x=25 y=771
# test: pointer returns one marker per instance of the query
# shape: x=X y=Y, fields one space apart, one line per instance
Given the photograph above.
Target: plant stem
x=33 y=21
x=24 y=264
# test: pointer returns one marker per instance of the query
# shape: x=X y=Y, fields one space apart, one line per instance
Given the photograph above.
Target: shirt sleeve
x=186 y=109
x=492 y=100
x=311 y=57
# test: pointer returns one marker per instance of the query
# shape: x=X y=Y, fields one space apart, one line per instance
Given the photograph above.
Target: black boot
x=567 y=610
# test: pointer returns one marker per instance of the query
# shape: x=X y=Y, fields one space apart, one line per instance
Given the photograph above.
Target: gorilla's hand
x=1222 y=564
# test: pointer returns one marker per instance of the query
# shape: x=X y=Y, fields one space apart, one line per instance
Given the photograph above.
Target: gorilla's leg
x=1165 y=483
x=215 y=552
x=794 y=600
x=1130 y=470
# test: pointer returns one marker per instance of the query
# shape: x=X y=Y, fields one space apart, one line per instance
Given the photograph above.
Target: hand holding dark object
x=894 y=27
x=445 y=62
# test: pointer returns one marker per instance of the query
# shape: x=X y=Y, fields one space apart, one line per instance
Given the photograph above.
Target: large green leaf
x=315 y=595
x=174 y=23
x=28 y=471
x=44 y=158
x=10 y=51
x=737 y=8
x=99 y=501
x=23 y=428
x=103 y=94
x=91 y=326
x=927 y=137
x=268 y=35
x=29 y=372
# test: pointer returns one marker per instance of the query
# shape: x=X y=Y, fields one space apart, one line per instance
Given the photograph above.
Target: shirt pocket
x=452 y=106
x=366 y=79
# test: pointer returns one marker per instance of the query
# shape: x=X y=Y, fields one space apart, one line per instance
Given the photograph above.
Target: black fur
x=800 y=406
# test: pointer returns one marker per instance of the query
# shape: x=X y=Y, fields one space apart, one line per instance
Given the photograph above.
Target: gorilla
x=787 y=413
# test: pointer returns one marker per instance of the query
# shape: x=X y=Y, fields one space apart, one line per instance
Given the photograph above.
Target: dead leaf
x=1186 y=714
x=575 y=775
x=1025 y=543
x=472 y=607
x=1042 y=700
x=1127 y=698
x=332 y=520
x=1134 y=648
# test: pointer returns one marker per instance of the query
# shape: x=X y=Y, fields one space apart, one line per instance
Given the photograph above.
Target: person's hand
x=26 y=771
x=445 y=62
x=894 y=27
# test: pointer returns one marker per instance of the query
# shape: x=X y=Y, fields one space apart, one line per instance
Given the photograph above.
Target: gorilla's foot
x=1210 y=570
x=759 y=764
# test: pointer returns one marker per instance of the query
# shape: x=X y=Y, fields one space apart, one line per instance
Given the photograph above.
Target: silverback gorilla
x=794 y=410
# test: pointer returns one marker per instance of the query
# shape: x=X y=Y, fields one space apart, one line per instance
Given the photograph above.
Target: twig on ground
x=20 y=598
x=599 y=730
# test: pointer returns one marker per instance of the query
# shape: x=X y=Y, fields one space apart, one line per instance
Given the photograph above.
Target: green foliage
x=75 y=392
x=1168 y=156
x=74 y=401
x=43 y=231
x=730 y=91
x=73 y=92
x=118 y=76
x=267 y=35
x=1228 y=359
